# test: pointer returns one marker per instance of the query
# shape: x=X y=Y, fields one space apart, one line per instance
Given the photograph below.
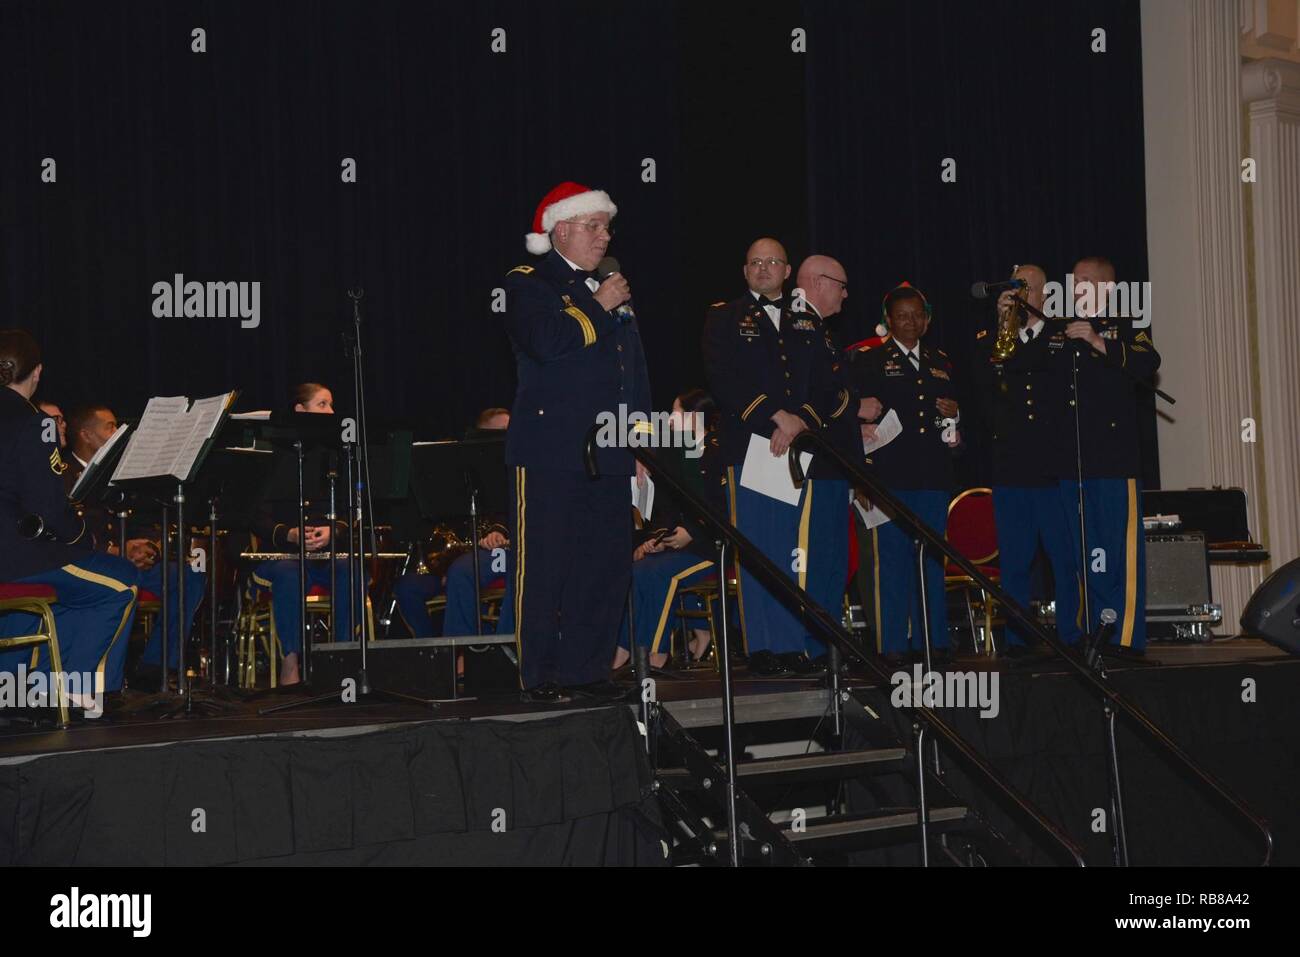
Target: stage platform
x=496 y=781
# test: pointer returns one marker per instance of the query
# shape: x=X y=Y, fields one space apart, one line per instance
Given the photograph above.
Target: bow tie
x=764 y=301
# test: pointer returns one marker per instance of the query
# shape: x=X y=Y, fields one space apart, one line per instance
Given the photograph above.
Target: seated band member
x=413 y=591
x=915 y=382
x=89 y=427
x=52 y=410
x=1024 y=426
x=96 y=592
x=672 y=551
x=278 y=532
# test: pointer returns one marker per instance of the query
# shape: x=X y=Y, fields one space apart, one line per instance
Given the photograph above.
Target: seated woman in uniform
x=276 y=530
x=96 y=592
x=673 y=552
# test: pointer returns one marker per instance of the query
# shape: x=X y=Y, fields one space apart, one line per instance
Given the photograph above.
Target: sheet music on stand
x=171 y=436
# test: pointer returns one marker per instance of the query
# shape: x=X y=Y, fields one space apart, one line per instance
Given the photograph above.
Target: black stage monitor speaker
x=1273 y=612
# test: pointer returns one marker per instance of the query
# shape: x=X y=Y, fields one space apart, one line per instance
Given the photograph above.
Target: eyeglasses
x=843 y=285
x=608 y=228
x=771 y=261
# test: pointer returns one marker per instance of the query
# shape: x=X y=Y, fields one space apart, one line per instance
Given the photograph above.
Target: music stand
x=452 y=478
x=291 y=435
x=233 y=482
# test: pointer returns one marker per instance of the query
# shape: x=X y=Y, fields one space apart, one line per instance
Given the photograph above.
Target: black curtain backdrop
x=225 y=166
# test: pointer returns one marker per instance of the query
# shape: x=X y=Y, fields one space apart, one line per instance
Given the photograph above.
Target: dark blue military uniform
x=658 y=577
x=96 y=592
x=917 y=467
x=572 y=543
x=1023 y=408
x=756 y=369
x=1106 y=400
x=281 y=577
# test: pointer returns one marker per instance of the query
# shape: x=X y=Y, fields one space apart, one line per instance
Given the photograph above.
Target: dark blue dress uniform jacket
x=1107 y=397
x=918 y=458
x=1022 y=406
x=575 y=361
x=755 y=370
x=31 y=482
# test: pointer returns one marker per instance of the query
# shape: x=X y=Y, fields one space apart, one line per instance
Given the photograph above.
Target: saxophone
x=1004 y=347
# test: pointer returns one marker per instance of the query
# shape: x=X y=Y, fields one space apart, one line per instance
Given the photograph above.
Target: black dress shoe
x=548 y=693
x=764 y=664
x=796 y=662
x=604 y=691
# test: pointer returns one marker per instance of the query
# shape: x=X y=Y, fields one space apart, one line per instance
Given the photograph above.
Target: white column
x=1196 y=246
x=1272 y=90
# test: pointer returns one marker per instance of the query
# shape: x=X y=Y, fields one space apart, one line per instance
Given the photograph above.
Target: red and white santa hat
x=565 y=202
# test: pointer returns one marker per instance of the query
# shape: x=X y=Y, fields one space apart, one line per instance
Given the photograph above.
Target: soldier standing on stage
x=1026 y=425
x=578 y=353
x=915 y=382
x=771 y=371
x=1106 y=400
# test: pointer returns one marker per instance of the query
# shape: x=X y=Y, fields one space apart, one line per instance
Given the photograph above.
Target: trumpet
x=1008 y=339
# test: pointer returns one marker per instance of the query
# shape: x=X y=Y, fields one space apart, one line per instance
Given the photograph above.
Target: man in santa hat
x=578 y=353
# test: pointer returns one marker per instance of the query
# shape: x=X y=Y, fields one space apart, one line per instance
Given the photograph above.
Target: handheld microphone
x=981 y=290
x=606 y=268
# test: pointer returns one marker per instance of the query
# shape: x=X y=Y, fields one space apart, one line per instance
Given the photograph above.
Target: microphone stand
x=365 y=691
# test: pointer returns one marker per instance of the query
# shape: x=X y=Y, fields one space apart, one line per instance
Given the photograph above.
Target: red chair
x=973 y=532
x=36 y=600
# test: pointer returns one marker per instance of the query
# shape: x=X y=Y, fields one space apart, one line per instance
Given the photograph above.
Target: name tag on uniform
x=748 y=328
x=892 y=368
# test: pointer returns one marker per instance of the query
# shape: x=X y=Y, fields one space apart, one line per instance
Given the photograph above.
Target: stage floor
x=142 y=722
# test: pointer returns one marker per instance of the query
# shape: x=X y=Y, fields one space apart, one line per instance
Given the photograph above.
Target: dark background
x=225 y=166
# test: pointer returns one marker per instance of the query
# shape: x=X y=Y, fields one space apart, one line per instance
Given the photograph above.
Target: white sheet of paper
x=119 y=435
x=644 y=498
x=769 y=474
x=872 y=517
x=888 y=430
x=152 y=448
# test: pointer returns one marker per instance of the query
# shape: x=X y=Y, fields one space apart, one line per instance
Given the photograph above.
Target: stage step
x=818 y=766
x=752 y=708
x=858 y=831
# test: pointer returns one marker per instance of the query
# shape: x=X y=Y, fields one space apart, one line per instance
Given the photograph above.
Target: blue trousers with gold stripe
x=1026 y=515
x=655 y=583
x=572 y=539
x=898 y=588
x=1117 y=571
x=828 y=553
x=808 y=541
x=286 y=602
x=93 y=618
x=413 y=591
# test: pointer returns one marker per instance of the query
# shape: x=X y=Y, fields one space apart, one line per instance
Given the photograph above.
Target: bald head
x=824 y=282
x=767 y=267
